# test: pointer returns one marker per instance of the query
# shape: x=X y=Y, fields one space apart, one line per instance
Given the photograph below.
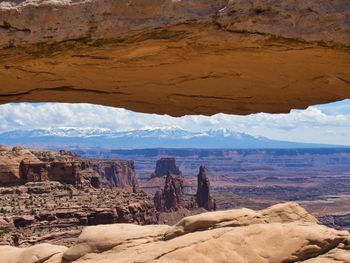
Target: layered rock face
x=19 y=166
x=165 y=165
x=192 y=57
x=119 y=174
x=51 y=212
x=10 y=159
x=171 y=196
x=203 y=196
x=281 y=233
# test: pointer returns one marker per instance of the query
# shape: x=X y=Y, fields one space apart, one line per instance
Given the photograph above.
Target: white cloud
x=319 y=124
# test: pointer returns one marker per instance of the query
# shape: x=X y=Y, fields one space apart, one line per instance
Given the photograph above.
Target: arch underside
x=202 y=62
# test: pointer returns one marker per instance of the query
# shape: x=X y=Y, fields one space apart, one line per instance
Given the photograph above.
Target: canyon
x=48 y=196
x=317 y=178
x=61 y=207
x=49 y=211
x=177 y=58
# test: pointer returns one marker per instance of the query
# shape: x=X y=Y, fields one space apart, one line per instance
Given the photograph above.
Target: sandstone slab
x=176 y=57
x=279 y=234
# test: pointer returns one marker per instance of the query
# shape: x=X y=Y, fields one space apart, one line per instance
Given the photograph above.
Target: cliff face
x=119 y=174
x=192 y=57
x=165 y=165
x=171 y=196
x=10 y=159
x=19 y=166
x=49 y=211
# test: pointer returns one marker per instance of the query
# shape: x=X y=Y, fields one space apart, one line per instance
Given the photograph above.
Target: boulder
x=35 y=254
x=97 y=239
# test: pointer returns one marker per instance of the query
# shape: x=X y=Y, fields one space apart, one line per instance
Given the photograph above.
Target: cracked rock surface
x=176 y=57
x=281 y=233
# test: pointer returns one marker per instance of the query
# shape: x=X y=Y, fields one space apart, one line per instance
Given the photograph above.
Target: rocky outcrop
x=203 y=196
x=39 y=253
x=171 y=196
x=120 y=174
x=171 y=46
x=165 y=165
x=40 y=212
x=10 y=159
x=20 y=166
x=282 y=233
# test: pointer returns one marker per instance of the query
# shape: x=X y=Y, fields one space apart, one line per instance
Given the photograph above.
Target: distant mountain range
x=169 y=137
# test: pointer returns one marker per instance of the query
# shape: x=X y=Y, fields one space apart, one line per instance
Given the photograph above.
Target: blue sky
x=329 y=123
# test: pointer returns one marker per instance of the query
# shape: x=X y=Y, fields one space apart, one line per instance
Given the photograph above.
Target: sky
x=328 y=123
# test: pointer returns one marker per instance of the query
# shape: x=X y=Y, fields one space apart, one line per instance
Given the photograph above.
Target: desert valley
x=49 y=196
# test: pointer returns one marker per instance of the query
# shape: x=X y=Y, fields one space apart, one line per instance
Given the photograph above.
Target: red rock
x=171 y=196
x=165 y=165
x=23 y=221
x=204 y=198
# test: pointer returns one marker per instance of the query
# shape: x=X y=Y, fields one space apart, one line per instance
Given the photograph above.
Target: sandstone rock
x=120 y=174
x=203 y=196
x=275 y=243
x=165 y=165
x=170 y=197
x=289 y=212
x=33 y=172
x=215 y=241
x=282 y=233
x=171 y=46
x=36 y=254
x=50 y=211
x=68 y=153
x=333 y=256
x=10 y=160
x=281 y=213
x=19 y=166
x=102 y=238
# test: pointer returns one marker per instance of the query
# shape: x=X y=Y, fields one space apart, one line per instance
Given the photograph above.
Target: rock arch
x=176 y=57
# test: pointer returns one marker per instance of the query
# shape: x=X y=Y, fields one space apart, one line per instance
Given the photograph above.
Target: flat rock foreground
x=281 y=233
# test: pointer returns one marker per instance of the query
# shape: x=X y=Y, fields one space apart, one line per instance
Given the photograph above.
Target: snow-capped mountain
x=167 y=137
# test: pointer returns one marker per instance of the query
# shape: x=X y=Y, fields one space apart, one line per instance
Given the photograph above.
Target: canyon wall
x=20 y=166
x=164 y=166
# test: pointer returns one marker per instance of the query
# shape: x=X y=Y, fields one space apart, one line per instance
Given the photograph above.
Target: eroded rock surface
x=165 y=165
x=171 y=196
x=282 y=233
x=19 y=166
x=47 y=211
x=190 y=57
x=203 y=196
